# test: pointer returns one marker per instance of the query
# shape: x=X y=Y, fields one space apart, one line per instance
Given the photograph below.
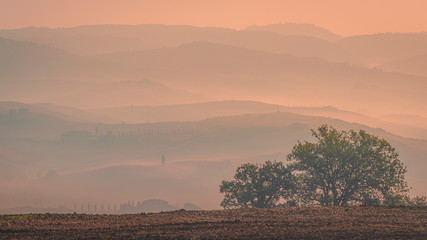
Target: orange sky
x=345 y=17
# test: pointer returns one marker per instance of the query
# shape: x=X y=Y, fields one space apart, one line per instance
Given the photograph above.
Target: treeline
x=127 y=133
x=171 y=132
x=341 y=168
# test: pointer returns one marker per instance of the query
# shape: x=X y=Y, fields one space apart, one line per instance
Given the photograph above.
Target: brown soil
x=284 y=223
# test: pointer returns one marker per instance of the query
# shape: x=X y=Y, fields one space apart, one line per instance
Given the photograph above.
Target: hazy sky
x=345 y=17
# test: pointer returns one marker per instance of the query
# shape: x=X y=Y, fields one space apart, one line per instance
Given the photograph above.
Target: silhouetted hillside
x=20 y=59
x=303 y=29
x=377 y=49
x=183 y=74
x=241 y=73
x=400 y=125
x=102 y=39
x=412 y=120
x=122 y=161
x=25 y=62
x=26 y=124
x=413 y=65
x=64 y=112
x=201 y=111
x=94 y=95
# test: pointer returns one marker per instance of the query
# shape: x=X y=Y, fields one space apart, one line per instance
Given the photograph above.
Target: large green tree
x=258 y=186
x=347 y=167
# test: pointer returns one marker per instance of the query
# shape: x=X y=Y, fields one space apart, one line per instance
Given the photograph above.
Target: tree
x=344 y=168
x=258 y=186
x=419 y=201
x=163 y=159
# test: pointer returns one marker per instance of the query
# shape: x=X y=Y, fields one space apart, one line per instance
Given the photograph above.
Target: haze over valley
x=108 y=113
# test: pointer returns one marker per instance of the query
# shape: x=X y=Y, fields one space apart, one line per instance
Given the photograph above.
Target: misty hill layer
x=198 y=154
x=203 y=70
x=102 y=39
x=232 y=72
x=376 y=49
x=413 y=65
x=298 y=29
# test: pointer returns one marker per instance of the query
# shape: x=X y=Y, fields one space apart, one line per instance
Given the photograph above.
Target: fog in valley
x=106 y=116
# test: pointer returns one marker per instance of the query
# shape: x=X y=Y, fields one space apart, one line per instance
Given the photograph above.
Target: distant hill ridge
x=377 y=49
x=410 y=126
x=105 y=159
x=103 y=39
x=298 y=29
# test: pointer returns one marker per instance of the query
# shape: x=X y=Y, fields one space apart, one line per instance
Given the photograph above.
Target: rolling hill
x=241 y=73
x=24 y=62
x=404 y=125
x=202 y=111
x=23 y=124
x=298 y=29
x=410 y=120
x=377 y=49
x=199 y=154
x=33 y=73
x=103 y=39
x=20 y=59
x=202 y=71
x=415 y=65
x=64 y=112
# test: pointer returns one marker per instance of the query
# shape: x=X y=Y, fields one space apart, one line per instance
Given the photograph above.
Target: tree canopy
x=347 y=167
x=258 y=186
x=340 y=168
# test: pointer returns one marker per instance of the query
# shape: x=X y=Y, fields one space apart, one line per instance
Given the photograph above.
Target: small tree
x=258 y=186
x=163 y=159
x=344 y=168
x=419 y=201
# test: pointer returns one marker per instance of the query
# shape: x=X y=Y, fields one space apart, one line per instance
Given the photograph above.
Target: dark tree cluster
x=258 y=186
x=341 y=168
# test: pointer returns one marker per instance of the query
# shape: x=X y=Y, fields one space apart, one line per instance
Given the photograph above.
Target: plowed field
x=285 y=223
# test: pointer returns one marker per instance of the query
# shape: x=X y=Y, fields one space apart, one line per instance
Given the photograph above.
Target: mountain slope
x=97 y=95
x=102 y=39
x=228 y=71
x=241 y=73
x=411 y=120
x=201 y=111
x=195 y=163
x=25 y=61
x=309 y=30
x=64 y=112
x=24 y=58
x=407 y=125
x=377 y=49
x=37 y=125
x=413 y=65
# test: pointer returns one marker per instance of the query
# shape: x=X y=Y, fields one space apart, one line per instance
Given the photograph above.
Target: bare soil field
x=367 y=222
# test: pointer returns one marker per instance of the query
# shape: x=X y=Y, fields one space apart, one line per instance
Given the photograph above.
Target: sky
x=344 y=17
